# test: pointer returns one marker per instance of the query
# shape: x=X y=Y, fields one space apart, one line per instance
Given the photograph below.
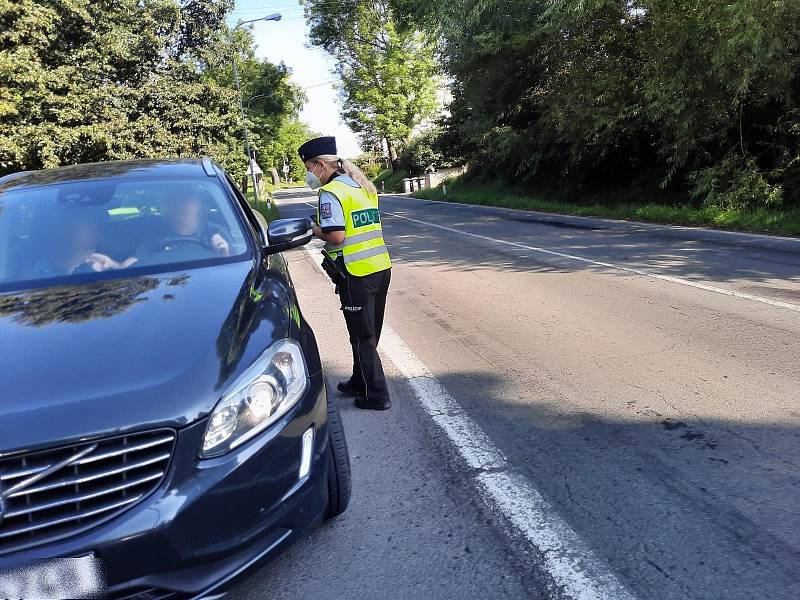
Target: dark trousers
x=363 y=304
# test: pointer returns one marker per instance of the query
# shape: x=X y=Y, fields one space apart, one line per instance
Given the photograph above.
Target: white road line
x=574 y=569
x=583 y=259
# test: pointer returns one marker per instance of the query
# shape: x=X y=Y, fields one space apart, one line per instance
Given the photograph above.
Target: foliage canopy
x=92 y=80
x=387 y=72
x=596 y=94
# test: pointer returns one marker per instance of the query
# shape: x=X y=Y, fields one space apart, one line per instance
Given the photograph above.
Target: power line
x=295 y=8
x=321 y=84
x=286 y=7
x=299 y=6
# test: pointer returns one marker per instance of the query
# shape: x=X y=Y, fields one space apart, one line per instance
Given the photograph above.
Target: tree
x=271 y=100
x=601 y=94
x=93 y=80
x=86 y=81
x=388 y=74
x=424 y=154
x=283 y=146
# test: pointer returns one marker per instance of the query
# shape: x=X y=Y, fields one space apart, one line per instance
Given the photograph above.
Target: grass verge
x=392 y=182
x=785 y=222
x=270 y=213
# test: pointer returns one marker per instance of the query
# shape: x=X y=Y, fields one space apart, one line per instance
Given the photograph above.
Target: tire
x=339 y=482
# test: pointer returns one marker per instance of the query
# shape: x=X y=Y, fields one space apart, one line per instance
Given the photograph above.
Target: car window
x=75 y=228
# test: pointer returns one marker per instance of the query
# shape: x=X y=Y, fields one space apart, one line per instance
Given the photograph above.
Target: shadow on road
x=418 y=243
x=680 y=508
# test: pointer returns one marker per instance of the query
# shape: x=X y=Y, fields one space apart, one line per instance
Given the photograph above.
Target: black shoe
x=362 y=403
x=349 y=389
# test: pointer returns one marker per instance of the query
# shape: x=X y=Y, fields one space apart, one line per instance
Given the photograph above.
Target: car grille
x=55 y=493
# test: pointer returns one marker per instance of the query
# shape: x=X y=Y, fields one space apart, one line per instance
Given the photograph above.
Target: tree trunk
x=394 y=160
x=245 y=181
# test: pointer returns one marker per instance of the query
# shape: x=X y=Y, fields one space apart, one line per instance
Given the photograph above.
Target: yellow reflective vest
x=364 y=249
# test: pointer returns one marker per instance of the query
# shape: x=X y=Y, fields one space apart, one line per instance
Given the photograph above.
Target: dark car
x=162 y=405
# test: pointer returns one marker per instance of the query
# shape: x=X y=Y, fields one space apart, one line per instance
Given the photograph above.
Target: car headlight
x=258 y=398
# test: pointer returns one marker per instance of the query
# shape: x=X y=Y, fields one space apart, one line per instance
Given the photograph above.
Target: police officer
x=350 y=224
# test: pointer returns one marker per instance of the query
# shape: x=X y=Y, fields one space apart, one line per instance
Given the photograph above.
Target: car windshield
x=75 y=228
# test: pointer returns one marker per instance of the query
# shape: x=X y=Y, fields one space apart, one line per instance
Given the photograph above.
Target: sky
x=287 y=41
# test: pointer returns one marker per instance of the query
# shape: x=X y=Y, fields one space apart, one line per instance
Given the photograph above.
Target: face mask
x=313 y=181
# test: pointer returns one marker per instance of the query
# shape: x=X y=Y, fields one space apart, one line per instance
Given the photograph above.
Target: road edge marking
x=641 y=272
x=571 y=565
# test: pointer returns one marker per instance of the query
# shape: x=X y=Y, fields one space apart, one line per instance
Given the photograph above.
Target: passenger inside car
x=185 y=224
x=75 y=234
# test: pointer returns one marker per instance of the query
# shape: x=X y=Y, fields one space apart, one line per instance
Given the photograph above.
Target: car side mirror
x=285 y=234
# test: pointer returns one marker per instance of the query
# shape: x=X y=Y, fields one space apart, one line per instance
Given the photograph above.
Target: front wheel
x=339 y=484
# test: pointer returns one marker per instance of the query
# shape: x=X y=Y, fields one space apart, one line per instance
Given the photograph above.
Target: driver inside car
x=186 y=222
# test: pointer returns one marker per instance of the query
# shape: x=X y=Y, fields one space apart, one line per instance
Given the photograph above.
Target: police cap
x=317 y=147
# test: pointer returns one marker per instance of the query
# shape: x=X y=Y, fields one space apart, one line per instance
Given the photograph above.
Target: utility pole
x=272 y=17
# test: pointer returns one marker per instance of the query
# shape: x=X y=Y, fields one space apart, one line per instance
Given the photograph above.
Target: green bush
x=424 y=153
x=595 y=97
x=392 y=182
x=791 y=183
x=735 y=184
x=370 y=164
x=371 y=170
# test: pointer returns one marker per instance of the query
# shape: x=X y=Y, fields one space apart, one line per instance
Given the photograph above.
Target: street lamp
x=250 y=100
x=272 y=17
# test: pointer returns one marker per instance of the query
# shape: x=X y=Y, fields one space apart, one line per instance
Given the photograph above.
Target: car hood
x=118 y=355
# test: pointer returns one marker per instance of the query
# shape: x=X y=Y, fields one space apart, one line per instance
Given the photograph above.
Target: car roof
x=128 y=169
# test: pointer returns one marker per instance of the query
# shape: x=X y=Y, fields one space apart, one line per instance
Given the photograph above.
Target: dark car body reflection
x=76 y=304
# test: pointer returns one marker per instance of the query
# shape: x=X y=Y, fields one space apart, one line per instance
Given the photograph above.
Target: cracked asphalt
x=661 y=421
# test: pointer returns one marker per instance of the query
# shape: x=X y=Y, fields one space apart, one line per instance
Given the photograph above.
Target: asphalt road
x=640 y=385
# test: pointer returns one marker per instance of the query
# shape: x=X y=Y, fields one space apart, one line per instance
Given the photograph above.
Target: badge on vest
x=368 y=216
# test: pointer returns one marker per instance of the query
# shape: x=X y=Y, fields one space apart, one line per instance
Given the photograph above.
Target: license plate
x=54 y=579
